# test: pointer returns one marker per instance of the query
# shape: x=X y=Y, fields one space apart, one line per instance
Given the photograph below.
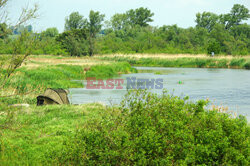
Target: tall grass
x=111 y=70
x=36 y=80
x=200 y=62
x=28 y=136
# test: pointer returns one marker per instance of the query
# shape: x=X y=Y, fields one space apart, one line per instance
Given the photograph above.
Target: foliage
x=130 y=32
x=204 y=62
x=25 y=80
x=75 y=21
x=213 y=46
x=151 y=130
x=4 y=31
x=206 y=20
x=141 y=16
x=50 y=33
x=94 y=27
x=29 y=135
x=75 y=41
x=235 y=17
x=108 y=71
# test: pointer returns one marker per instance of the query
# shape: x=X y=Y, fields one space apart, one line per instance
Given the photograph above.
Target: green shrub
x=247 y=65
x=236 y=62
x=151 y=130
x=213 y=46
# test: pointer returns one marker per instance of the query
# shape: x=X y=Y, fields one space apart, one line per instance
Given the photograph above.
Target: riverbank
x=38 y=73
x=180 y=60
x=163 y=130
x=144 y=129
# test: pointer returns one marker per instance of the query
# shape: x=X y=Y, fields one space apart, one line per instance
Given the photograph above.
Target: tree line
x=131 y=32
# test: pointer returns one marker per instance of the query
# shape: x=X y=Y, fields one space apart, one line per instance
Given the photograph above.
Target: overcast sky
x=167 y=12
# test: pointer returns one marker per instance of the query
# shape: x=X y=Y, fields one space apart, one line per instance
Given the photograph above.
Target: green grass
x=208 y=62
x=144 y=130
x=108 y=71
x=29 y=135
x=57 y=76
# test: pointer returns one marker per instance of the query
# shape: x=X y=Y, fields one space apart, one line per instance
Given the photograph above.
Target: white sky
x=167 y=12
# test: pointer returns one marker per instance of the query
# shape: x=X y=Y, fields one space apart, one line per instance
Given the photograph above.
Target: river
x=223 y=87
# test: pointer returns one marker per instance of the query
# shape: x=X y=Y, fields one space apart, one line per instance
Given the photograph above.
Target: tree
x=235 y=17
x=74 y=41
x=4 y=31
x=50 y=32
x=75 y=21
x=119 y=21
x=206 y=20
x=22 y=46
x=141 y=16
x=94 y=27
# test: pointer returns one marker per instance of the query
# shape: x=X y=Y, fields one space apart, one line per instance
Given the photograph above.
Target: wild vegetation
x=131 y=32
x=181 y=61
x=27 y=82
x=145 y=129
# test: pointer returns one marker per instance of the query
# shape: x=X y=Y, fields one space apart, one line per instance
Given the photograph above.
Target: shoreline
x=183 y=61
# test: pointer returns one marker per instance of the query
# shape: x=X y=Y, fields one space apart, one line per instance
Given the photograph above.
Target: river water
x=223 y=87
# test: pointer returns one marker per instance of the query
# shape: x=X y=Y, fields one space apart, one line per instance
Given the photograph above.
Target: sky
x=52 y=13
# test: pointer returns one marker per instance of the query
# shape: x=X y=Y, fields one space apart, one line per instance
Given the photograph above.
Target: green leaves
x=148 y=129
x=141 y=16
x=206 y=20
x=75 y=21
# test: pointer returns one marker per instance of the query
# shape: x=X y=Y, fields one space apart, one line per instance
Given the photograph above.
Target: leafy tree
x=50 y=32
x=213 y=46
x=75 y=21
x=241 y=31
x=119 y=21
x=235 y=17
x=223 y=37
x=141 y=16
x=94 y=27
x=206 y=20
x=74 y=41
x=4 y=31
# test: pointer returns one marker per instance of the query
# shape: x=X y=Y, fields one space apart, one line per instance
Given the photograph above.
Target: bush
x=151 y=130
x=213 y=46
x=247 y=65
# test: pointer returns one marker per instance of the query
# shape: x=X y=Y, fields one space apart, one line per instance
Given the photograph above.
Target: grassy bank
x=181 y=61
x=29 y=80
x=144 y=130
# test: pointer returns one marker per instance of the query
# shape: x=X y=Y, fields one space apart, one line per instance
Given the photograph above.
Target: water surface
x=227 y=87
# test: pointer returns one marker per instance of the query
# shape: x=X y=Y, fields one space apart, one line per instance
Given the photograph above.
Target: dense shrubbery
x=151 y=130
